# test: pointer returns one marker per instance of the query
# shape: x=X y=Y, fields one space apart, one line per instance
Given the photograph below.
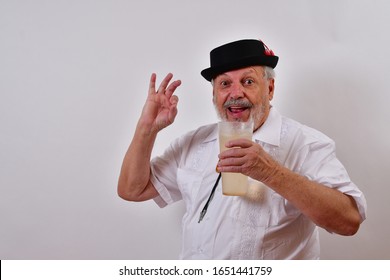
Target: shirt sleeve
x=164 y=173
x=321 y=165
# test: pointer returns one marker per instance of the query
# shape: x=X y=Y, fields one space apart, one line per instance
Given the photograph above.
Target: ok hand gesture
x=160 y=108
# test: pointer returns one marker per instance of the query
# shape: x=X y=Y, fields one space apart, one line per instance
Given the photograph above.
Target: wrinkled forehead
x=251 y=70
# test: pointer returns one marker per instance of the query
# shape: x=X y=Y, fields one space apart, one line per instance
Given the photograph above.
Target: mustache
x=237 y=102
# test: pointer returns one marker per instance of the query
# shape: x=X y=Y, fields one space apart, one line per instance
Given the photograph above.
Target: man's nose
x=236 y=91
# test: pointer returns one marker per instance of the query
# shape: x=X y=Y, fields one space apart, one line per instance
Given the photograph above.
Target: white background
x=73 y=80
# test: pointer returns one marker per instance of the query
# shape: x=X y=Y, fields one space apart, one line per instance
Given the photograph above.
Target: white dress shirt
x=261 y=225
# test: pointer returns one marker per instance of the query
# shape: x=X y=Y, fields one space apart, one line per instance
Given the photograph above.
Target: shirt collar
x=268 y=133
x=213 y=134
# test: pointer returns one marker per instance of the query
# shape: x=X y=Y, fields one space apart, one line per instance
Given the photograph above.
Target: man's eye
x=248 y=81
x=224 y=83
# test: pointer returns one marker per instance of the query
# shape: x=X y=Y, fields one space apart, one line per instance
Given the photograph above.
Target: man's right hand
x=159 y=111
x=160 y=108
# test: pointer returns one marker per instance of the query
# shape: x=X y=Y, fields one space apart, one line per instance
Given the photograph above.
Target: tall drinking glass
x=234 y=183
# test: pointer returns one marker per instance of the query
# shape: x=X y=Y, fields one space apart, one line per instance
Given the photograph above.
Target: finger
x=232 y=153
x=173 y=108
x=174 y=99
x=172 y=87
x=230 y=169
x=241 y=142
x=172 y=112
x=152 y=84
x=231 y=165
x=165 y=83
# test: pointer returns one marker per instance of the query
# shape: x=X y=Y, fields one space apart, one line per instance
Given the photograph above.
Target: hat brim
x=211 y=72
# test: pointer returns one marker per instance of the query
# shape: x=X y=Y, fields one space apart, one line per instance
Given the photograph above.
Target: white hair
x=269 y=72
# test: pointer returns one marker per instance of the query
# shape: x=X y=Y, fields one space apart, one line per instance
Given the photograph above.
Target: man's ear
x=271 y=89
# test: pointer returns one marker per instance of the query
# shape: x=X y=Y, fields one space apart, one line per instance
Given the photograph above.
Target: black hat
x=239 y=54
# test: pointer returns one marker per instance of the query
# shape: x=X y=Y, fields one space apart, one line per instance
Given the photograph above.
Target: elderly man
x=299 y=182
